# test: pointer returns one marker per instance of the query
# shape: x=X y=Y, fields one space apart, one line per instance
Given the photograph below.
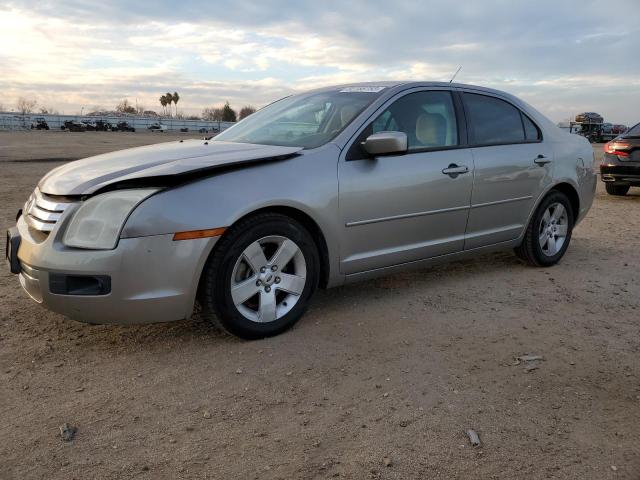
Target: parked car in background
x=618 y=129
x=124 y=127
x=208 y=130
x=589 y=117
x=103 y=126
x=158 y=127
x=90 y=125
x=74 y=126
x=620 y=167
x=328 y=187
x=40 y=124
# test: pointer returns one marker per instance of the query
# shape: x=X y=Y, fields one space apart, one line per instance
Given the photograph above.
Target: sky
x=561 y=56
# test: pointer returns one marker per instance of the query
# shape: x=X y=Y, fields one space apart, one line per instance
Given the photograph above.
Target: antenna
x=454 y=75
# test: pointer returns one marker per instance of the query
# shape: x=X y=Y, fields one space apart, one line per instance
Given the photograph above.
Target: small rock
x=239 y=371
x=614 y=468
x=387 y=461
x=58 y=364
x=145 y=468
x=67 y=432
x=385 y=395
x=206 y=414
x=474 y=438
x=79 y=389
x=528 y=358
x=288 y=374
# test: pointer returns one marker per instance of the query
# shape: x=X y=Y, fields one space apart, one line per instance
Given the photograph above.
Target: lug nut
x=263 y=269
x=267 y=289
x=258 y=283
x=274 y=268
x=277 y=279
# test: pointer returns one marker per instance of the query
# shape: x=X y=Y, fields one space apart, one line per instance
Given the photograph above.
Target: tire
x=236 y=261
x=617 y=190
x=549 y=232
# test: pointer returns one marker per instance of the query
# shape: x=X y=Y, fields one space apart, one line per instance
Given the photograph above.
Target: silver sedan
x=315 y=190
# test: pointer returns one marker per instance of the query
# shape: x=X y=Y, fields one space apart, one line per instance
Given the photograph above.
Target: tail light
x=617 y=148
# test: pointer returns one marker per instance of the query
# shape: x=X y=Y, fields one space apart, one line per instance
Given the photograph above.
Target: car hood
x=84 y=177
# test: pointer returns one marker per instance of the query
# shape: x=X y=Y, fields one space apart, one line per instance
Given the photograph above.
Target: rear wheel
x=261 y=276
x=617 y=190
x=549 y=231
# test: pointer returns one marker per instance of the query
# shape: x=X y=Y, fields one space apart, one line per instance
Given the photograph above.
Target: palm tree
x=175 y=99
x=163 y=102
x=169 y=98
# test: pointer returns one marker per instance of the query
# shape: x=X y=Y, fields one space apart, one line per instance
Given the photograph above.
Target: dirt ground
x=396 y=368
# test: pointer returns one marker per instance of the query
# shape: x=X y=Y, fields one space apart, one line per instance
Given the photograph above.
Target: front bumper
x=152 y=279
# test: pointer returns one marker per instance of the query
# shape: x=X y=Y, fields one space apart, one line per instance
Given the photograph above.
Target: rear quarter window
x=531 y=132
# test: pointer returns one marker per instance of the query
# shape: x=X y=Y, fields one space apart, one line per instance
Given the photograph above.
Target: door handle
x=541 y=160
x=454 y=170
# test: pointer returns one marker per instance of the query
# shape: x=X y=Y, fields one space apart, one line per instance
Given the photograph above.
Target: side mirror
x=384 y=143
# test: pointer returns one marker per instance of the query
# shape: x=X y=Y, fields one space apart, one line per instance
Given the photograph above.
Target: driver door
x=406 y=207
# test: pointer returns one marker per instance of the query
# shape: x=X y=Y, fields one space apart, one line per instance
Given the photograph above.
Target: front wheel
x=617 y=190
x=261 y=276
x=549 y=232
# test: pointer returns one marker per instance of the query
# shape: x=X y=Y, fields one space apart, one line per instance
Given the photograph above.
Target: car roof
x=405 y=84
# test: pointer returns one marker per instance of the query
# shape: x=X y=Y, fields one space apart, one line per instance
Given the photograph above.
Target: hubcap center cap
x=267 y=278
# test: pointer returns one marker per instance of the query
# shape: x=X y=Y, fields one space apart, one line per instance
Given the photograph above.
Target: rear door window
x=494 y=121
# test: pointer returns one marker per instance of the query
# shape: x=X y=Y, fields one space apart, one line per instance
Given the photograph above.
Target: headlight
x=99 y=220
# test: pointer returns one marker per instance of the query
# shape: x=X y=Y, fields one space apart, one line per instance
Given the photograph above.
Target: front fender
x=307 y=183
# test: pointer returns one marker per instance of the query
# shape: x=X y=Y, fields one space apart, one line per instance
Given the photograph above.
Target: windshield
x=307 y=120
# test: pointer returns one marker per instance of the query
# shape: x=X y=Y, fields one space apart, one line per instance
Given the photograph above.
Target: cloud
x=559 y=57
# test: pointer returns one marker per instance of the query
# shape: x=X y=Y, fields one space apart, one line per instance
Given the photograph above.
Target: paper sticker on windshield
x=362 y=89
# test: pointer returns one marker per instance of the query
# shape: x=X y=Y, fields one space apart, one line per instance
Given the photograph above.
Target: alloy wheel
x=268 y=278
x=553 y=229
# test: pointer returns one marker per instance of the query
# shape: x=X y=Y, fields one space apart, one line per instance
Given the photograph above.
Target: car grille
x=42 y=211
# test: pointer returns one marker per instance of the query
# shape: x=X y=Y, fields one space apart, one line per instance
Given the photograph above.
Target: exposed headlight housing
x=98 y=222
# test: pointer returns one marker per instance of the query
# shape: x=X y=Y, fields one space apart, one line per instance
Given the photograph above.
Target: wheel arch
x=572 y=194
x=308 y=222
x=563 y=186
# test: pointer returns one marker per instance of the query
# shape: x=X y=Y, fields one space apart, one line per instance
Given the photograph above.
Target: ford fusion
x=315 y=190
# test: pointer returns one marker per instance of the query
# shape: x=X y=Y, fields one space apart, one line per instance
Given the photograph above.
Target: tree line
x=220 y=114
x=226 y=113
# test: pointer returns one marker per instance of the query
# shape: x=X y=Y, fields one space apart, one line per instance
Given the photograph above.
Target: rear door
x=512 y=167
x=406 y=207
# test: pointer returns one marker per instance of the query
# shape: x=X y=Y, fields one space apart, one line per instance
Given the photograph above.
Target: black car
x=40 y=124
x=124 y=127
x=103 y=126
x=620 y=168
x=74 y=126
